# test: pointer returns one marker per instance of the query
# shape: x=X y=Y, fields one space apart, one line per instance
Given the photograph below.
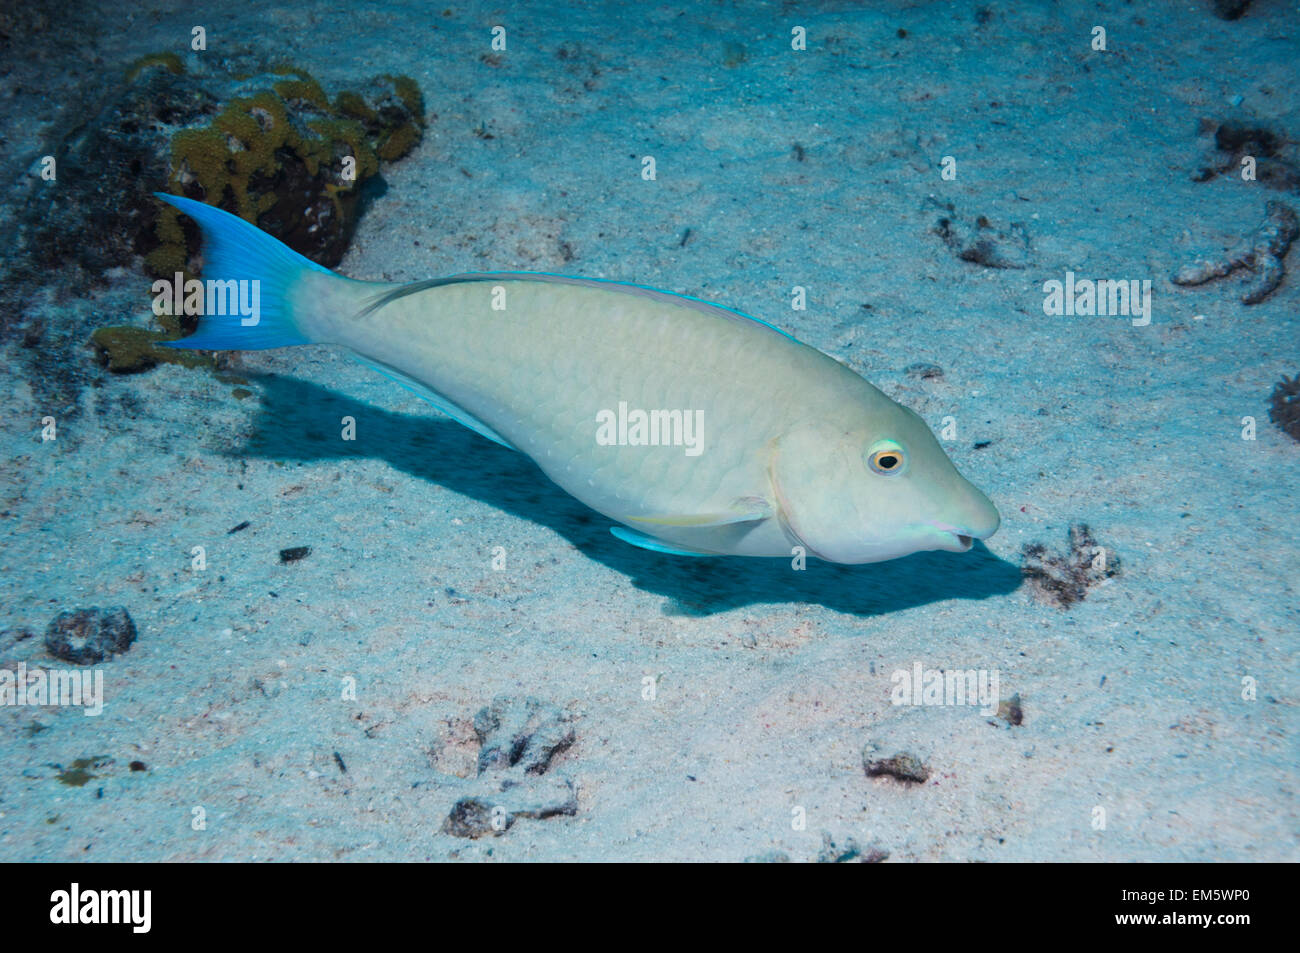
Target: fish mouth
x=956 y=542
x=953 y=539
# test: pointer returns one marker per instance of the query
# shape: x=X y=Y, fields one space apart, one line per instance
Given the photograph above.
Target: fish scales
x=520 y=371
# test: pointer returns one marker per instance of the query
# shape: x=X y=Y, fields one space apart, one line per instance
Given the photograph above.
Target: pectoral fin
x=746 y=509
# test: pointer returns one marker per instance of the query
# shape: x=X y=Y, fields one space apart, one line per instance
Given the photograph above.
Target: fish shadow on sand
x=300 y=421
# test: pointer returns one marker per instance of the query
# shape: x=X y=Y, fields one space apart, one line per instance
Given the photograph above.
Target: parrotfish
x=696 y=429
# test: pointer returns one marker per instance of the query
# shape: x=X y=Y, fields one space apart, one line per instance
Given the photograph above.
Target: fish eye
x=886 y=457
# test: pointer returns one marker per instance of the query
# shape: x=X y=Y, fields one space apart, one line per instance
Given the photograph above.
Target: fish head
x=876 y=489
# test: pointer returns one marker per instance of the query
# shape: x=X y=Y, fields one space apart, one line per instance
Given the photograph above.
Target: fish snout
x=985 y=521
x=977 y=517
x=981 y=522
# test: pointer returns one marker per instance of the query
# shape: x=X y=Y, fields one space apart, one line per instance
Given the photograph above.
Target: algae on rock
x=265 y=144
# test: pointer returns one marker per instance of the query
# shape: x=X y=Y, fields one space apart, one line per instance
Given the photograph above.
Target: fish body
x=696 y=429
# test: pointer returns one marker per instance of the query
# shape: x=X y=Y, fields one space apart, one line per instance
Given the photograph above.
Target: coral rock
x=88 y=636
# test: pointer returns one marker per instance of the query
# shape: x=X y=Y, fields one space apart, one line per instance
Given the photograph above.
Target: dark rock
x=924 y=371
x=1276 y=161
x=1230 y=9
x=267 y=145
x=294 y=553
x=88 y=636
x=481 y=814
x=471 y=817
x=1284 y=405
x=1010 y=710
x=1234 y=134
x=903 y=766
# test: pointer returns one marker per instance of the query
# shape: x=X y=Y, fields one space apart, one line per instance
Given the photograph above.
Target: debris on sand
x=980 y=242
x=518 y=741
x=1261 y=254
x=1062 y=580
x=849 y=852
x=1240 y=144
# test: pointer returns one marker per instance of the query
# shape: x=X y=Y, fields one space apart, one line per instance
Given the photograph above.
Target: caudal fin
x=234 y=250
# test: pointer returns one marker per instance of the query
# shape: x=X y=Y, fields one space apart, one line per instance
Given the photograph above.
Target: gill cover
x=806 y=465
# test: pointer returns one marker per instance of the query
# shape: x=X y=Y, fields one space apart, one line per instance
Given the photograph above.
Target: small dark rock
x=472 y=818
x=1230 y=9
x=1258 y=140
x=476 y=815
x=88 y=636
x=1010 y=710
x=903 y=766
x=1276 y=160
x=294 y=553
x=1284 y=406
x=924 y=371
x=138 y=766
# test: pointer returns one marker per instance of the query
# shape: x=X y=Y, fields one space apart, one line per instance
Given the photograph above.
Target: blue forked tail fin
x=235 y=250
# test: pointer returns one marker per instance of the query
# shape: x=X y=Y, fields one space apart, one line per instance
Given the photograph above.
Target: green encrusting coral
x=263 y=151
x=127 y=350
x=168 y=60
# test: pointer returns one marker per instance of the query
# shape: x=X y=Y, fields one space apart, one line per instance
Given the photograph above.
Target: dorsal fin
x=668 y=297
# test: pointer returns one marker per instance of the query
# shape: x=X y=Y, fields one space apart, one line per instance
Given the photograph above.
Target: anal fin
x=642 y=541
x=456 y=413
